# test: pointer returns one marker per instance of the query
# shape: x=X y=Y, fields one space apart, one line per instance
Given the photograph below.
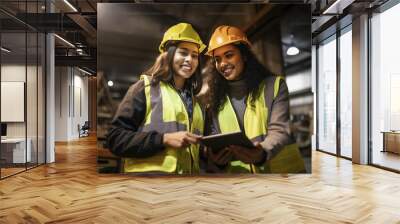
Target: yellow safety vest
x=287 y=160
x=166 y=113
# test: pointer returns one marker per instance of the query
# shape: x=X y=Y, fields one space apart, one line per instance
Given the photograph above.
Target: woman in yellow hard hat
x=247 y=97
x=159 y=122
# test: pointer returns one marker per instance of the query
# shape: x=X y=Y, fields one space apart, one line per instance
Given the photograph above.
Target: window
x=22 y=64
x=385 y=88
x=327 y=95
x=346 y=92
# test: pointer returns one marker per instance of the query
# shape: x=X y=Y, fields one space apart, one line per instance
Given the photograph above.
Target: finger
x=224 y=152
x=185 y=144
x=243 y=155
x=227 y=157
x=250 y=152
x=191 y=140
x=251 y=155
x=222 y=157
x=237 y=152
x=258 y=145
x=194 y=135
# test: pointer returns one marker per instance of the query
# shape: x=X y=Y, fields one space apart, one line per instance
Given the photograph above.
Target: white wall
x=71 y=102
x=12 y=73
x=62 y=81
x=81 y=100
x=33 y=126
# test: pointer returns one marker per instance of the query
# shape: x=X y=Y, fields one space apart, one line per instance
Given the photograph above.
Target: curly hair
x=162 y=69
x=253 y=73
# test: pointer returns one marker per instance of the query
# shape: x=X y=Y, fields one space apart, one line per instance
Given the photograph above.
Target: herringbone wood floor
x=71 y=191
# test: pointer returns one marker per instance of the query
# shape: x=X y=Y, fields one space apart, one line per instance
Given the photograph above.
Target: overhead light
x=70 y=5
x=65 y=41
x=293 y=50
x=80 y=51
x=5 y=50
x=110 y=83
x=84 y=71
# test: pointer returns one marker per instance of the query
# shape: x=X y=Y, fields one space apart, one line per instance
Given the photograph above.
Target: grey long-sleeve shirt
x=278 y=127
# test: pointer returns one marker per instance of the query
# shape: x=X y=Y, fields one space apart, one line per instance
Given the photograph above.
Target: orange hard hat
x=224 y=35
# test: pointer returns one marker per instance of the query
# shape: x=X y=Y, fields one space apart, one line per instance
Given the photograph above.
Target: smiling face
x=229 y=62
x=186 y=59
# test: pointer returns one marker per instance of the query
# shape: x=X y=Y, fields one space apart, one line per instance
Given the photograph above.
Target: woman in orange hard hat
x=248 y=98
x=159 y=122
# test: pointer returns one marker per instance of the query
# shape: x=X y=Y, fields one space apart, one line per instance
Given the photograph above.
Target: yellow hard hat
x=225 y=35
x=182 y=32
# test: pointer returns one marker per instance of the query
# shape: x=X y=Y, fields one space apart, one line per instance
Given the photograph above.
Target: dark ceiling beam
x=16 y=18
x=86 y=26
x=54 y=22
x=91 y=5
x=83 y=61
x=257 y=18
x=87 y=51
x=47 y=22
x=79 y=20
x=265 y=19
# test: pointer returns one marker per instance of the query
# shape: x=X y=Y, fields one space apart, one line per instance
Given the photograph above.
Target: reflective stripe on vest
x=287 y=160
x=166 y=113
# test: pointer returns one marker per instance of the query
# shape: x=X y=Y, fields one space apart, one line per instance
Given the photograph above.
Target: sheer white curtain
x=327 y=96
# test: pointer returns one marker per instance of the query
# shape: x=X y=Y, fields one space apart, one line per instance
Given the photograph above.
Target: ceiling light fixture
x=5 y=50
x=70 y=5
x=65 y=41
x=292 y=50
x=110 y=83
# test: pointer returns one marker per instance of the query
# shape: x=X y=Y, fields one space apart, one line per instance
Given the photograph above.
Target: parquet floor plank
x=71 y=191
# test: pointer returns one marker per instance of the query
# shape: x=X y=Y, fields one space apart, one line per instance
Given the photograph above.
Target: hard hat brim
x=210 y=51
x=201 y=46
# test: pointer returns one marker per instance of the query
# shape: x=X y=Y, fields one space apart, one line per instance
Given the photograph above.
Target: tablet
x=219 y=141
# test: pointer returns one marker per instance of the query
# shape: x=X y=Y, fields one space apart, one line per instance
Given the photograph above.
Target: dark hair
x=162 y=69
x=253 y=72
